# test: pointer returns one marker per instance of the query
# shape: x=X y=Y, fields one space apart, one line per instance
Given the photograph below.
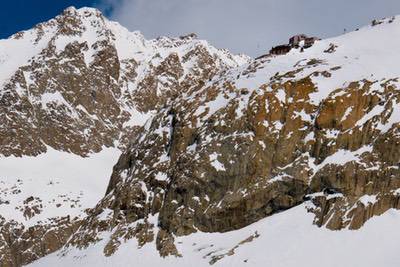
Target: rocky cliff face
x=79 y=83
x=224 y=145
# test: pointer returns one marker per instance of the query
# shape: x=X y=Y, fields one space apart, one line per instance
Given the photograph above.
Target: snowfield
x=287 y=239
x=65 y=183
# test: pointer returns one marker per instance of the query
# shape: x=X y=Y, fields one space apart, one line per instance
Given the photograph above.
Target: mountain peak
x=82 y=11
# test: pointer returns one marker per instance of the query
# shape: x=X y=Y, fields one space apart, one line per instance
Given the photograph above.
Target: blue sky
x=242 y=26
x=17 y=15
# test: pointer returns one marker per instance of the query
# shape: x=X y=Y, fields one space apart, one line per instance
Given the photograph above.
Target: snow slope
x=66 y=184
x=370 y=53
x=287 y=239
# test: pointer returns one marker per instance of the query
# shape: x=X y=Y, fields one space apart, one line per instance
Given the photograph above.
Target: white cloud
x=249 y=26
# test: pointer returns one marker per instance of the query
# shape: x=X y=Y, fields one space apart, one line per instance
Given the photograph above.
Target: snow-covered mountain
x=288 y=160
x=79 y=81
x=79 y=86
